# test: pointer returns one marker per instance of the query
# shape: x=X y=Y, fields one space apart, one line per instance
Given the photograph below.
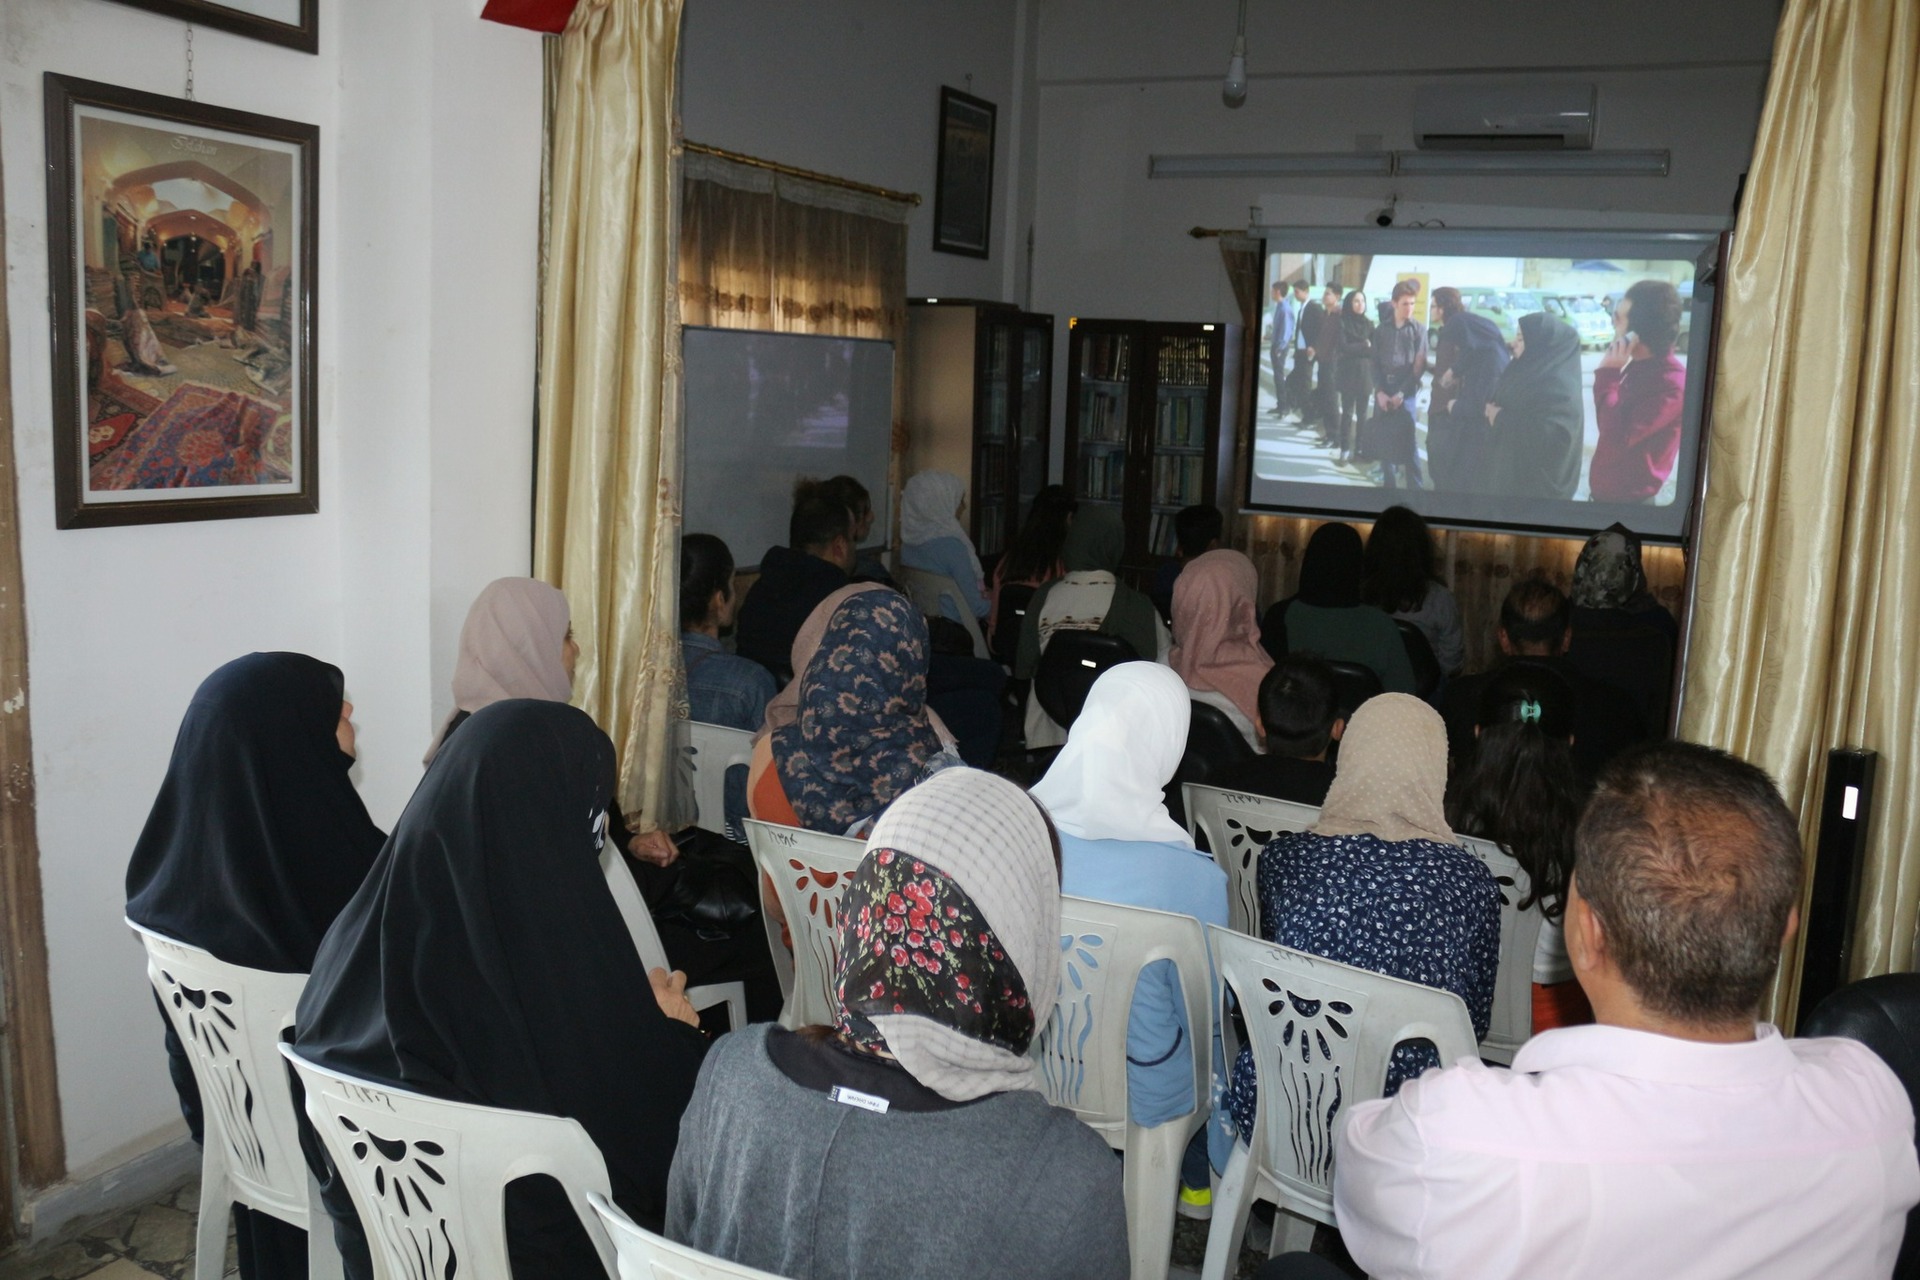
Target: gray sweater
x=778 y=1176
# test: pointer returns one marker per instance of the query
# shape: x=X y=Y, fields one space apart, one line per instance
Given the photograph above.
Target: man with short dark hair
x=1536 y=626
x=1399 y=362
x=1280 y=342
x=1639 y=391
x=1678 y=1135
x=815 y=563
x=1300 y=720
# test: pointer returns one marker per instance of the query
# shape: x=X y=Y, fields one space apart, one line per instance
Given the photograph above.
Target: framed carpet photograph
x=182 y=246
x=293 y=23
x=963 y=184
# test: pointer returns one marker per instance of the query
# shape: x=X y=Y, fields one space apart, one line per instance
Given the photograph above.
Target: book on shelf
x=1104 y=356
x=1181 y=421
x=1178 y=480
x=1103 y=417
x=1184 y=363
x=1103 y=476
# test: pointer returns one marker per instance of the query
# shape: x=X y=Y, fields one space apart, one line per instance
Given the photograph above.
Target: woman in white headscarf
x=1106 y=793
x=1381 y=882
x=910 y=1138
x=933 y=539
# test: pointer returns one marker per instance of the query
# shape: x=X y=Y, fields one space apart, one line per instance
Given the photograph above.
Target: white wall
x=1121 y=80
x=430 y=125
x=852 y=88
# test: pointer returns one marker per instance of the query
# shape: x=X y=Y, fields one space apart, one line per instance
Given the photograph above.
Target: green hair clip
x=1529 y=711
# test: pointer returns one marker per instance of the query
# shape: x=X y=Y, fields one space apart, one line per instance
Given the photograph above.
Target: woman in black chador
x=485 y=961
x=255 y=843
x=1537 y=414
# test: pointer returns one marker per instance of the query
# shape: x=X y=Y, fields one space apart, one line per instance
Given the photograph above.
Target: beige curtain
x=1479 y=568
x=766 y=250
x=1808 y=598
x=607 y=499
x=1245 y=260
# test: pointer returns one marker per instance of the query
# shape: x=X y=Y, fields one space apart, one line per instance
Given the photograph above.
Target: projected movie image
x=1522 y=379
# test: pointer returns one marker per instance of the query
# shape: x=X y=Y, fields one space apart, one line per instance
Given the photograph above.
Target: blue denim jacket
x=723 y=688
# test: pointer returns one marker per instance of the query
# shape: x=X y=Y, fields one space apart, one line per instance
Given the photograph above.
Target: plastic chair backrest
x=1512 y=1022
x=1353 y=684
x=1322 y=1035
x=1213 y=745
x=427 y=1175
x=1426 y=667
x=928 y=591
x=1015 y=597
x=1235 y=827
x=713 y=749
x=638 y=918
x=230 y=1019
x=1082 y=1048
x=1072 y=661
x=809 y=870
x=643 y=1255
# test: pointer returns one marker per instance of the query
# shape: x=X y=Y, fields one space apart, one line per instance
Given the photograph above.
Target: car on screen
x=1503 y=306
x=1586 y=317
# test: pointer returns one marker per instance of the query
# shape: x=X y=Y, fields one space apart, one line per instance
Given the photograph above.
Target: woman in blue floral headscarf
x=863 y=735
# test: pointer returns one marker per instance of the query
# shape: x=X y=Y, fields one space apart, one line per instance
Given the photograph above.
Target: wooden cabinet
x=1150 y=413
x=979 y=403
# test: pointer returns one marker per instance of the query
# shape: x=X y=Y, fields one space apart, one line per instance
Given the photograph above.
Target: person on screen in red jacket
x=1637 y=394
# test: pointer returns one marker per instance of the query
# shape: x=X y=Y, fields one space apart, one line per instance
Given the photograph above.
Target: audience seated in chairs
x=1329 y=618
x=1399 y=578
x=933 y=539
x=722 y=688
x=793 y=579
x=255 y=843
x=1678 y=1136
x=1030 y=562
x=1379 y=882
x=1118 y=844
x=485 y=961
x=910 y=1138
x=1302 y=722
x=1216 y=630
x=1534 y=630
x=1621 y=635
x=1196 y=531
x=1518 y=788
x=1088 y=598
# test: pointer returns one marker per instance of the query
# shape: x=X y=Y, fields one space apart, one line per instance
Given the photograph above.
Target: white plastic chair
x=1512 y=1022
x=809 y=870
x=927 y=589
x=653 y=952
x=427 y=1175
x=1082 y=1051
x=231 y=1019
x=712 y=750
x=1237 y=827
x=1322 y=1035
x=646 y=1256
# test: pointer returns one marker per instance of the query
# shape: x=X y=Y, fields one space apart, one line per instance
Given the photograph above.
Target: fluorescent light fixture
x=1536 y=164
x=1282 y=164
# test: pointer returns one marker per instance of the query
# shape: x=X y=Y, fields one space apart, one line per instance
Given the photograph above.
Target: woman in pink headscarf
x=1216 y=637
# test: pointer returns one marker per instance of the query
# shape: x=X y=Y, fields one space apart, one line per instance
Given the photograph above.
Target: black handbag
x=712 y=887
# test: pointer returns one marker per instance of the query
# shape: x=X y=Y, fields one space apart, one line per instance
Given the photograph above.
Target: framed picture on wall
x=963 y=186
x=182 y=246
x=293 y=23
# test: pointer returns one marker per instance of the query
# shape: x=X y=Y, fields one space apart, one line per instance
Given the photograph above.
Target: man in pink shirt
x=1678 y=1137
x=1638 y=392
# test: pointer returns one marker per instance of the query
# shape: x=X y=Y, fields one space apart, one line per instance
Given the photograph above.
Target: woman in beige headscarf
x=1379 y=882
x=517 y=642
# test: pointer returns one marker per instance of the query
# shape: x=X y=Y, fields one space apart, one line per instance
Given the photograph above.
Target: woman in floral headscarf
x=1622 y=636
x=910 y=1138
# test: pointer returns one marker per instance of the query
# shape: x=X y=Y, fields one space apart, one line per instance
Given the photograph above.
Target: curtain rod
x=754 y=162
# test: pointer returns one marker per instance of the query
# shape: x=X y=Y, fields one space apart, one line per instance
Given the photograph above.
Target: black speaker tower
x=1845 y=810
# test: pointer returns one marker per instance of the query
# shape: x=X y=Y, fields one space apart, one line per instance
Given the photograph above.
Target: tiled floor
x=137 y=1245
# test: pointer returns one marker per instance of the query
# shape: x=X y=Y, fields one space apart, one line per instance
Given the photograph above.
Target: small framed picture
x=963 y=187
x=293 y=23
x=182 y=240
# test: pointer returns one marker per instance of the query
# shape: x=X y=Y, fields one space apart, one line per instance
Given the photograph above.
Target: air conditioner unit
x=1510 y=117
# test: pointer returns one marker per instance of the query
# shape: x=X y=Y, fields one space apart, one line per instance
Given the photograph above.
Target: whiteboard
x=766 y=408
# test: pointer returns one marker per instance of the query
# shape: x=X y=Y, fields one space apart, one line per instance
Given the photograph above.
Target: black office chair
x=1005 y=640
x=1072 y=662
x=1426 y=667
x=1353 y=684
x=1882 y=1013
x=1213 y=745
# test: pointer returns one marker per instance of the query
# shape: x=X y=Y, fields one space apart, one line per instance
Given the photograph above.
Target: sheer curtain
x=607 y=493
x=1808 y=598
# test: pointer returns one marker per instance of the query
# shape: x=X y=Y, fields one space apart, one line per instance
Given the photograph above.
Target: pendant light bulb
x=1233 y=90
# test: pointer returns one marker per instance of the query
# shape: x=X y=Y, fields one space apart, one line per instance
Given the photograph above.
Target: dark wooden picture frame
x=208 y=219
x=963 y=184
x=303 y=35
